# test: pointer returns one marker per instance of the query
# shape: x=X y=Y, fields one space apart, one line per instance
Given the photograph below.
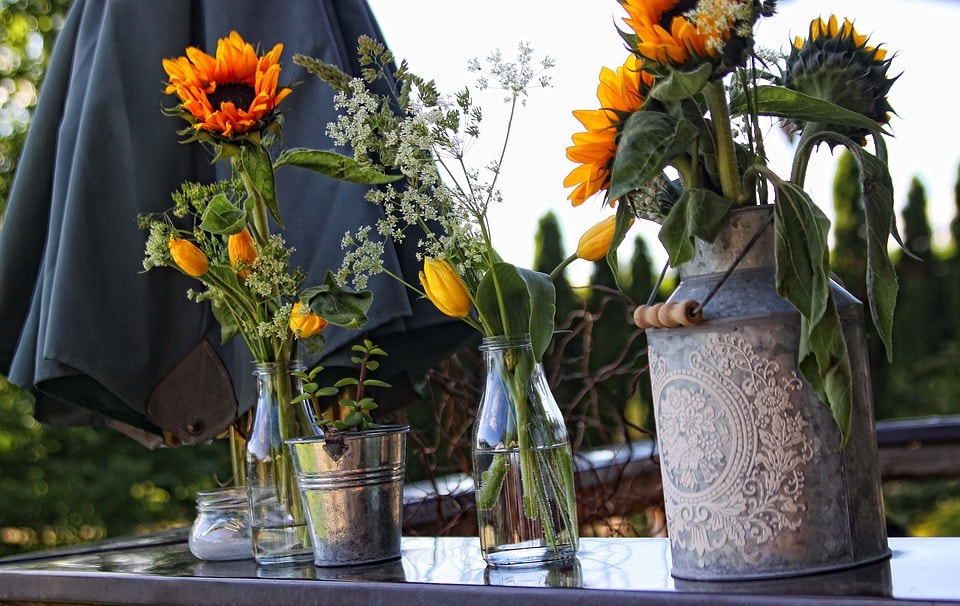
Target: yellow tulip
x=188 y=257
x=444 y=288
x=595 y=242
x=304 y=323
x=242 y=252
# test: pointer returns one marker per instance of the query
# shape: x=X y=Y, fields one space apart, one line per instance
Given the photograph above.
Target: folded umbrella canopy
x=93 y=337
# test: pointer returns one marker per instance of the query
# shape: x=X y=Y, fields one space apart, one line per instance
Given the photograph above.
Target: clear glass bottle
x=221 y=530
x=278 y=525
x=522 y=462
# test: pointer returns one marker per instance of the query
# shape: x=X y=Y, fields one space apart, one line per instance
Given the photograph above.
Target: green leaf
x=823 y=359
x=229 y=325
x=679 y=85
x=699 y=213
x=530 y=303
x=786 y=103
x=353 y=419
x=256 y=163
x=803 y=279
x=367 y=404
x=800 y=247
x=882 y=287
x=647 y=144
x=336 y=305
x=334 y=165
x=346 y=381
x=376 y=383
x=372 y=365
x=327 y=392
x=221 y=217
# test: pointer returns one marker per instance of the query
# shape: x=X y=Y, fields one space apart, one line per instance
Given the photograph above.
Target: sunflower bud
x=242 y=252
x=304 y=323
x=188 y=257
x=444 y=288
x=595 y=242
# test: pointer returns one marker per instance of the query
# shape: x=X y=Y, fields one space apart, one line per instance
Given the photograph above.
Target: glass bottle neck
x=503 y=342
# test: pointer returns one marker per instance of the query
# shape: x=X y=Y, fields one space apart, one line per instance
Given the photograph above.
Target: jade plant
x=355 y=403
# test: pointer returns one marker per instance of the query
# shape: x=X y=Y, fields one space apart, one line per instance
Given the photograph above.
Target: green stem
x=561 y=266
x=716 y=99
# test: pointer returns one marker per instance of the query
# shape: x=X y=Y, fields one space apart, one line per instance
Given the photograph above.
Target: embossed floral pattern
x=737 y=444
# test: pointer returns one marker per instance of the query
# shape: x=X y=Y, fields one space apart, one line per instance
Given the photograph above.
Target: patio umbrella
x=96 y=340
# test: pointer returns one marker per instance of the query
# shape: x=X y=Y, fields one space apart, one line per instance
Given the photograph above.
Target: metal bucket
x=352 y=488
x=755 y=482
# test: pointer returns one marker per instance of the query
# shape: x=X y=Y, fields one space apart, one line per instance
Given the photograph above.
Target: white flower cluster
x=443 y=201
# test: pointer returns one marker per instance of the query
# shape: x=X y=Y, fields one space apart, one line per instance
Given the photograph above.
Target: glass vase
x=278 y=525
x=522 y=462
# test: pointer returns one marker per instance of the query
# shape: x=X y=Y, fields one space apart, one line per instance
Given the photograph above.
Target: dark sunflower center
x=677 y=10
x=241 y=95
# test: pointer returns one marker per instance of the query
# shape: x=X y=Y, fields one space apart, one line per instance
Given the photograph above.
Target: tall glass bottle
x=522 y=462
x=278 y=524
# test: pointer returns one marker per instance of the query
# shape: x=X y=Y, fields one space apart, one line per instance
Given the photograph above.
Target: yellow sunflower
x=620 y=94
x=230 y=94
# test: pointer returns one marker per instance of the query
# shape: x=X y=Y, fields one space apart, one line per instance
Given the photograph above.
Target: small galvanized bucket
x=352 y=487
x=755 y=482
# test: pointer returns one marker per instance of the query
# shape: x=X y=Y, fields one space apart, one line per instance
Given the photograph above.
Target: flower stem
x=716 y=98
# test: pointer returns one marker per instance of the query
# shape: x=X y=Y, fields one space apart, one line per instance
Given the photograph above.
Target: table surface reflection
x=160 y=569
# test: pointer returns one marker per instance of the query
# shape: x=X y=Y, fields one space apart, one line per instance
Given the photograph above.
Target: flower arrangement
x=678 y=140
x=424 y=136
x=221 y=233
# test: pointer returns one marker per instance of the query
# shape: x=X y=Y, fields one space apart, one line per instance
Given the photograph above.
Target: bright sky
x=438 y=40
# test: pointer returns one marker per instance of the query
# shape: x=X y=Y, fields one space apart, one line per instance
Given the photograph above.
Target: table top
x=159 y=569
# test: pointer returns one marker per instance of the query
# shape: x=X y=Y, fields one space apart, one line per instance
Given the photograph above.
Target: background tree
x=27 y=31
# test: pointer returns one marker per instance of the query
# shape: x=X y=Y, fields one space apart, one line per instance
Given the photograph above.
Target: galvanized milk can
x=755 y=482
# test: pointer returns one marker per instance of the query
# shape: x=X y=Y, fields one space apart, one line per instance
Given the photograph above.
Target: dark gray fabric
x=80 y=325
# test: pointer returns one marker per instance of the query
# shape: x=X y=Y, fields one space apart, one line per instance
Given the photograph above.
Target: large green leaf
x=334 y=165
x=257 y=165
x=649 y=141
x=882 y=285
x=529 y=304
x=337 y=305
x=699 y=213
x=803 y=279
x=824 y=361
x=679 y=85
x=222 y=217
x=787 y=103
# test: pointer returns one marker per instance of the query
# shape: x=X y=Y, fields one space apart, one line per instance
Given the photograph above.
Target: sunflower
x=686 y=33
x=228 y=95
x=664 y=34
x=620 y=93
x=836 y=64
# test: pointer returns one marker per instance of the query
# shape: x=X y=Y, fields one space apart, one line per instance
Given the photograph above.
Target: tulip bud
x=242 y=252
x=595 y=242
x=188 y=257
x=304 y=323
x=444 y=288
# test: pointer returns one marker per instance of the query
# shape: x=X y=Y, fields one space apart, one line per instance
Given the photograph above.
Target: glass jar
x=278 y=522
x=221 y=530
x=522 y=462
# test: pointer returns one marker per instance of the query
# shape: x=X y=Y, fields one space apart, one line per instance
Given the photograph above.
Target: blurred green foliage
x=27 y=31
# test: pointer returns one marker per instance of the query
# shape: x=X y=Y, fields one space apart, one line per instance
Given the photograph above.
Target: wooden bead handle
x=668 y=315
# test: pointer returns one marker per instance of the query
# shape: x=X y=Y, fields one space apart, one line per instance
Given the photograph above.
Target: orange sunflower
x=620 y=94
x=664 y=35
x=228 y=95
